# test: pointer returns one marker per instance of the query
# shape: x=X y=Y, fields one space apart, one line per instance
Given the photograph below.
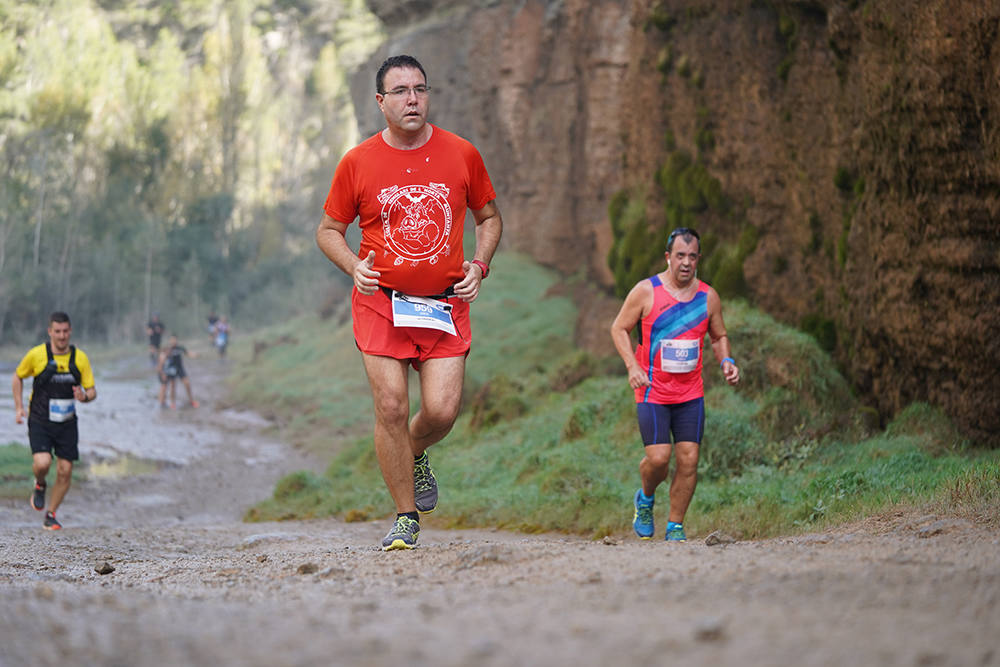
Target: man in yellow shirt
x=62 y=375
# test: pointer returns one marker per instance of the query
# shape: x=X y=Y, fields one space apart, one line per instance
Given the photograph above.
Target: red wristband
x=482 y=265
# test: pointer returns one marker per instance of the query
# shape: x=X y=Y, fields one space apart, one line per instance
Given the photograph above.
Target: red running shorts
x=375 y=334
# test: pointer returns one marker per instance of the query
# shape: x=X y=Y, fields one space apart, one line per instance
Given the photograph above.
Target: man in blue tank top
x=674 y=311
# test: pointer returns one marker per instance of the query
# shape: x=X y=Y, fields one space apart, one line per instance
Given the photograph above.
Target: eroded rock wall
x=859 y=139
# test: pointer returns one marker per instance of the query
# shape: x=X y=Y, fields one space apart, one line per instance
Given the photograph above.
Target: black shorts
x=53 y=437
x=154 y=341
x=685 y=420
x=177 y=374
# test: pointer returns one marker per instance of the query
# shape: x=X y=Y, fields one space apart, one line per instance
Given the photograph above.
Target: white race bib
x=679 y=356
x=61 y=409
x=421 y=312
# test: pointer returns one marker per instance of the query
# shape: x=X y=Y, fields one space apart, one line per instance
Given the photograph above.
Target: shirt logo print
x=416 y=222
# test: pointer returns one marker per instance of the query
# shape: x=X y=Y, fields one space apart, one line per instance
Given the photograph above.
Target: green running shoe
x=403 y=534
x=675 y=532
x=642 y=521
x=425 y=486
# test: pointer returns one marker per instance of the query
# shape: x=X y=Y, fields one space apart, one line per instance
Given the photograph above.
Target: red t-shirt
x=411 y=207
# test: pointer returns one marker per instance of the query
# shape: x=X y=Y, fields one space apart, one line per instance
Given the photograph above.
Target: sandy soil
x=193 y=585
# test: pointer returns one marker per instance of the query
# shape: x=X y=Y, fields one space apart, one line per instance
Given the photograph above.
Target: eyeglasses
x=419 y=91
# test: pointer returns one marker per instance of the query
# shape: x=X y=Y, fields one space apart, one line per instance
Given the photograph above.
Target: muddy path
x=193 y=585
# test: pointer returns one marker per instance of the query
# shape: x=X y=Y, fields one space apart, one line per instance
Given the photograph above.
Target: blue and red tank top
x=671 y=345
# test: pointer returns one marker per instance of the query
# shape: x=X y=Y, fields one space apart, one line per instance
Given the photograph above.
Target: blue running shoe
x=675 y=532
x=642 y=522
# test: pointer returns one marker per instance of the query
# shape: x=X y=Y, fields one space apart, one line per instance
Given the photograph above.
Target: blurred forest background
x=839 y=157
x=168 y=157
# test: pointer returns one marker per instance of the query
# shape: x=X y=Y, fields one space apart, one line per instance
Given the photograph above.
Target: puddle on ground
x=125 y=466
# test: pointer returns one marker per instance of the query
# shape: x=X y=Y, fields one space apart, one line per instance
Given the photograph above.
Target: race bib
x=679 y=356
x=61 y=409
x=421 y=312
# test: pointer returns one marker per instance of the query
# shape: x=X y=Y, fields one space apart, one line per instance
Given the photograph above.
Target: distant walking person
x=62 y=376
x=171 y=369
x=410 y=186
x=155 y=332
x=213 y=319
x=222 y=330
x=674 y=310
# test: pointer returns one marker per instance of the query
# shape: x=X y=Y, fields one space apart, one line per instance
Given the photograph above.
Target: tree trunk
x=148 y=279
x=40 y=210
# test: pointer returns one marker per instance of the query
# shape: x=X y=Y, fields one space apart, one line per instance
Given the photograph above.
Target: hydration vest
x=51 y=384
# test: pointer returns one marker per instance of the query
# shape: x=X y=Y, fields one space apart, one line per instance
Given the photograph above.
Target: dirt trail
x=192 y=585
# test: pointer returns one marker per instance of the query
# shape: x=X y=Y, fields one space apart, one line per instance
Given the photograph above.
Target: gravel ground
x=154 y=567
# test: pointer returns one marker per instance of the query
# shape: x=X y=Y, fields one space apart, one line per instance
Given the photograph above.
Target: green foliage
x=859 y=186
x=843 y=179
x=845 y=230
x=689 y=193
x=634 y=251
x=688 y=189
x=665 y=59
x=973 y=493
x=845 y=481
x=823 y=329
x=788 y=29
x=548 y=439
x=165 y=172
x=698 y=79
x=661 y=17
x=815 y=233
x=704 y=138
x=785 y=66
x=684 y=65
x=852 y=187
x=931 y=428
x=723 y=266
x=499 y=400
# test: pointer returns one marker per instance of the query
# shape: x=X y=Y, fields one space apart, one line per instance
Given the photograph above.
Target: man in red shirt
x=409 y=187
x=674 y=311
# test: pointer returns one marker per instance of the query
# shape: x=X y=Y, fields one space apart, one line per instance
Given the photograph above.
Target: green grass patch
x=547 y=440
x=15 y=471
x=841 y=482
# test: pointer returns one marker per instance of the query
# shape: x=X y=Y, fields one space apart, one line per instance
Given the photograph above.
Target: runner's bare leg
x=654 y=467
x=390 y=395
x=685 y=479
x=64 y=474
x=440 y=400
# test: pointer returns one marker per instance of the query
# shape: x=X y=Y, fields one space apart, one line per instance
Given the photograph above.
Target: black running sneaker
x=403 y=534
x=425 y=486
x=38 y=497
x=51 y=523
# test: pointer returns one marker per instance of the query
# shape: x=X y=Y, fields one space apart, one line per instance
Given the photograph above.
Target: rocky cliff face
x=858 y=141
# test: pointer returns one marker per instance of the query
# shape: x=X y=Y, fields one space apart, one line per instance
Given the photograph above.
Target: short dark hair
x=59 y=316
x=687 y=233
x=393 y=62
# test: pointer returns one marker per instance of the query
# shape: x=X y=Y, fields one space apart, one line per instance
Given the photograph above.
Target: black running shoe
x=51 y=523
x=425 y=486
x=38 y=497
